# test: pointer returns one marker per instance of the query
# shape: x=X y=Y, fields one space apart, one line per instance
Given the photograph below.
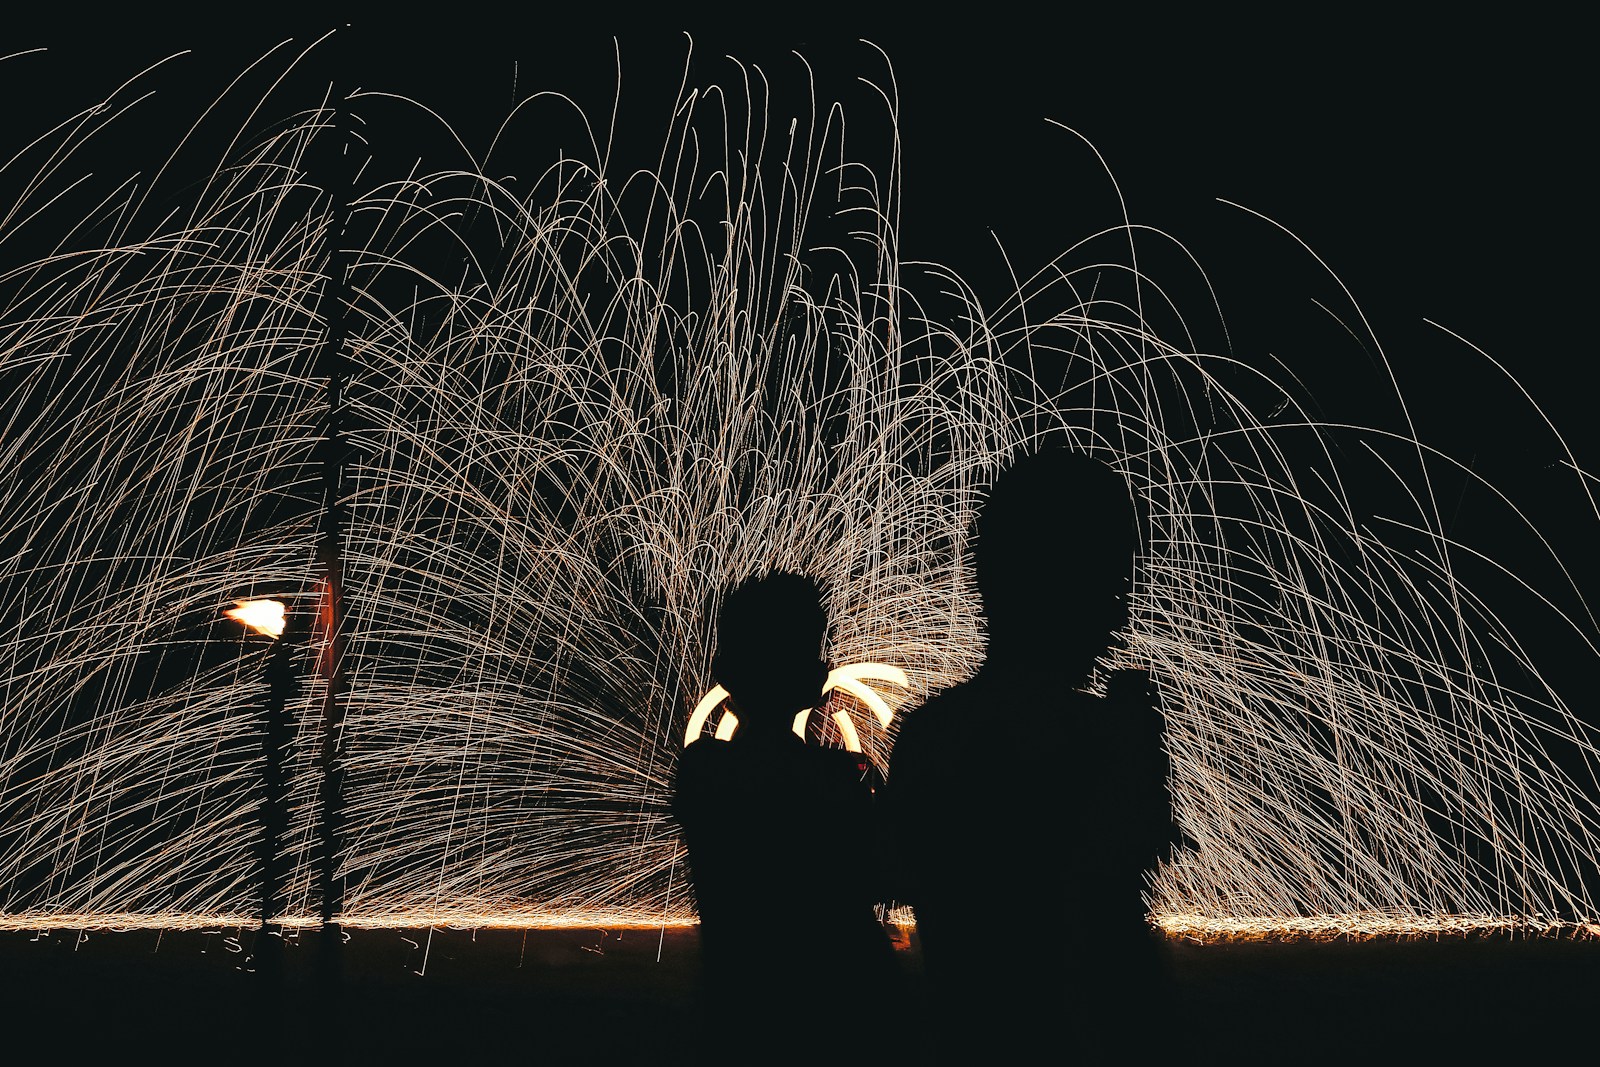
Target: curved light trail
x=848 y=678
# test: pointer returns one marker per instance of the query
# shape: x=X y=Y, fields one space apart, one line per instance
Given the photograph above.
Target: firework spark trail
x=159 y=425
x=582 y=403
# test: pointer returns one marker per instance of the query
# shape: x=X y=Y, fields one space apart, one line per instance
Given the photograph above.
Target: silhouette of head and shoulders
x=770 y=632
x=780 y=835
x=771 y=821
x=1053 y=557
x=1025 y=753
x=1052 y=554
x=1023 y=791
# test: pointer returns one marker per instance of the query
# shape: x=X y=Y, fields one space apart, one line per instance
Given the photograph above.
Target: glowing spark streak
x=702 y=711
x=1360 y=926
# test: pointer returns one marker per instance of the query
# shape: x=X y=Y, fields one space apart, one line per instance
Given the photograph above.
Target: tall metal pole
x=336 y=172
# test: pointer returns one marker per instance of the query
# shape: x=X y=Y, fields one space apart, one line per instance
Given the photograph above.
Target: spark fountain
x=573 y=404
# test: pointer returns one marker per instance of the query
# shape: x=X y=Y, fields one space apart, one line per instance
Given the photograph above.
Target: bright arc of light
x=262 y=616
x=849 y=678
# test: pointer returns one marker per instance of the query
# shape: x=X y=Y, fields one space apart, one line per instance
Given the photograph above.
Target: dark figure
x=781 y=840
x=1025 y=809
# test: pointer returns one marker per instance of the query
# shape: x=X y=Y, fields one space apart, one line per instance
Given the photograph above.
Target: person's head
x=1053 y=553
x=770 y=632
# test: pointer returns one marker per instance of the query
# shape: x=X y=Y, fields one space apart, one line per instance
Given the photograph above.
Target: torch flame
x=262 y=616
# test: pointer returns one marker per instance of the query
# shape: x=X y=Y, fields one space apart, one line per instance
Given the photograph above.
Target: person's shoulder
x=702 y=758
x=941 y=711
x=950 y=700
x=702 y=750
x=1134 y=698
x=927 y=733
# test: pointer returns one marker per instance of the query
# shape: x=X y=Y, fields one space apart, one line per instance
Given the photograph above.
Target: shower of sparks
x=580 y=403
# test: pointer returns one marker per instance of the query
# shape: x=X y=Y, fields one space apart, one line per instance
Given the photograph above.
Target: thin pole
x=336 y=172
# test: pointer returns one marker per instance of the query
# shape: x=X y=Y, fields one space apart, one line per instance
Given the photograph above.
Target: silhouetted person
x=781 y=839
x=1027 y=810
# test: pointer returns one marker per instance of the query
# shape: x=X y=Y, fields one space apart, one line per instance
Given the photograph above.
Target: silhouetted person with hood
x=1025 y=808
x=781 y=844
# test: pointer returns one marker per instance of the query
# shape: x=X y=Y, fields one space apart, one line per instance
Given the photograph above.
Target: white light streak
x=847 y=678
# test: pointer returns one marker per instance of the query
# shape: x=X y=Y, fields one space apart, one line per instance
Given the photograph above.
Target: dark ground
x=598 y=996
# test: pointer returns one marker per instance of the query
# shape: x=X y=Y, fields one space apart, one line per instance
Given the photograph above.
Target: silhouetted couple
x=1023 y=810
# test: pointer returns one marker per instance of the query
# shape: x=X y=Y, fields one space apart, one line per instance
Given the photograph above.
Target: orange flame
x=262 y=616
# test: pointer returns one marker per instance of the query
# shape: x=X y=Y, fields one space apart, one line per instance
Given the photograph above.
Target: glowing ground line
x=848 y=678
